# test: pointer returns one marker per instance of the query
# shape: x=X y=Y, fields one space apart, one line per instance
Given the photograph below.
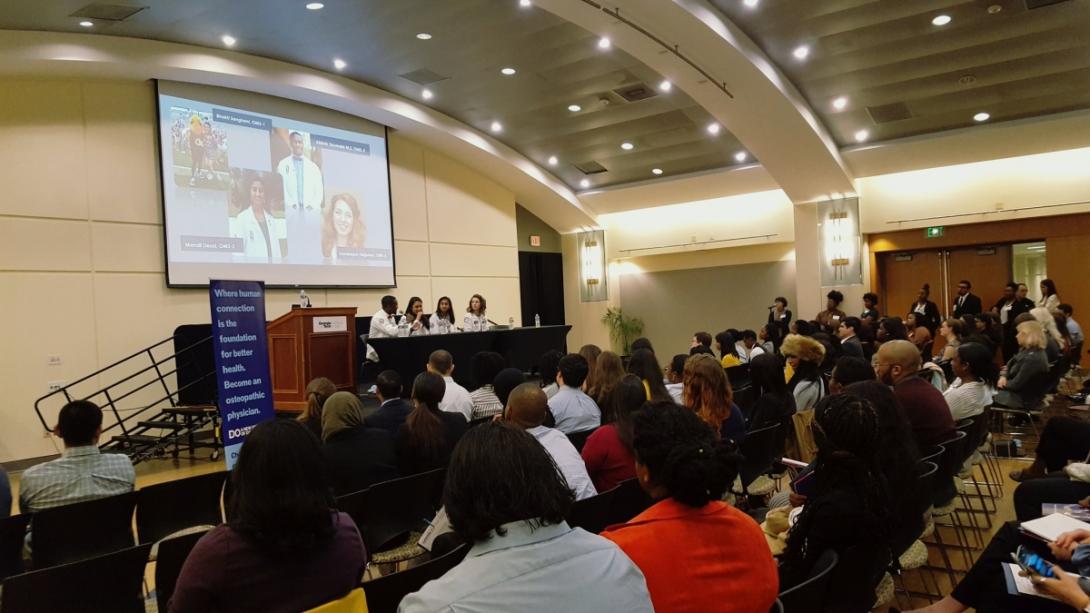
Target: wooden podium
x=309 y=343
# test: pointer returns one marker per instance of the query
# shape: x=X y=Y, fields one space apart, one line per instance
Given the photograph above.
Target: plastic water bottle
x=537 y=320
x=304 y=300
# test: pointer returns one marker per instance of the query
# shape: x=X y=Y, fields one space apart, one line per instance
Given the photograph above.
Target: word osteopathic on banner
x=241 y=349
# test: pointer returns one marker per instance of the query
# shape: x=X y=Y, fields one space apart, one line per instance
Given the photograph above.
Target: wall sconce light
x=592 y=266
x=840 y=242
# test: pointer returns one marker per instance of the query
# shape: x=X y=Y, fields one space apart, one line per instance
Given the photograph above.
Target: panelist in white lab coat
x=442 y=320
x=475 y=320
x=259 y=230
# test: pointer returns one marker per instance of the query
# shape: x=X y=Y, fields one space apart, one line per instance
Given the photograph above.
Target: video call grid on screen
x=260 y=188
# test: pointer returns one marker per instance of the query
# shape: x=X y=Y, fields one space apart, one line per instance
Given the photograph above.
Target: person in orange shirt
x=697 y=553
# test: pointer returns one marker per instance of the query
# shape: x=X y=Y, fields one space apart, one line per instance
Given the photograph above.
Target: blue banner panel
x=241 y=349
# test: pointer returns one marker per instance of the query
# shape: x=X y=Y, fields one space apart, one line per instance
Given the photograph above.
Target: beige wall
x=81 y=253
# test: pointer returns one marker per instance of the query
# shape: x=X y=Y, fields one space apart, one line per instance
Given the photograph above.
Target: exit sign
x=934 y=232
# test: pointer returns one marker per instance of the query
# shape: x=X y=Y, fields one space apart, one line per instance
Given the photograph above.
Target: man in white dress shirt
x=456 y=398
x=573 y=410
x=383 y=324
x=526 y=408
x=674 y=377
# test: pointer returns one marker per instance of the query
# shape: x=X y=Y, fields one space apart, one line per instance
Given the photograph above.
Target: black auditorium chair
x=82 y=530
x=111 y=582
x=12 y=536
x=578 y=439
x=168 y=564
x=809 y=596
x=385 y=593
x=392 y=509
x=629 y=500
x=166 y=508
x=592 y=513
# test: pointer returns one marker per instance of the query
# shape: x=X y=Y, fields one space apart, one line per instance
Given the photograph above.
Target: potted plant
x=622 y=329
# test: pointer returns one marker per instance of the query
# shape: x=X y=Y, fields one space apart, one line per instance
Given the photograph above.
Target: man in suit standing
x=394 y=409
x=966 y=302
x=849 y=342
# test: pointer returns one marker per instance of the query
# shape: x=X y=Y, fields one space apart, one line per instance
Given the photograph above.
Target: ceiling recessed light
x=496 y=126
x=941 y=20
x=665 y=86
x=525 y=3
x=424 y=36
x=713 y=128
x=228 y=40
x=840 y=103
x=339 y=64
x=508 y=71
x=426 y=94
x=628 y=146
x=740 y=156
x=751 y=3
x=801 y=52
x=656 y=171
x=861 y=136
x=315 y=6
x=982 y=116
x=585 y=183
x=995 y=8
x=86 y=24
x=575 y=108
x=604 y=43
x=553 y=160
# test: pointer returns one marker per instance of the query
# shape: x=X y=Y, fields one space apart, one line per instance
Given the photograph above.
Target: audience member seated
x=641 y=343
x=892 y=329
x=504 y=495
x=708 y=395
x=82 y=472
x=849 y=370
x=644 y=365
x=701 y=338
x=747 y=347
x=728 y=350
x=486 y=365
x=1073 y=327
x=527 y=408
x=769 y=338
x=989 y=327
x=428 y=436
x=696 y=552
x=318 y=390
x=550 y=361
x=831 y=316
x=455 y=397
x=1063 y=440
x=848 y=508
x=803 y=327
x=773 y=404
x=506 y=381
x=804 y=357
x=391 y=414
x=5 y=494
x=1022 y=382
x=976 y=376
x=573 y=410
x=675 y=375
x=918 y=332
x=608 y=450
x=357 y=456
x=849 y=339
x=1053 y=337
x=953 y=330
x=284 y=546
x=590 y=353
x=701 y=350
x=609 y=371
x=923 y=405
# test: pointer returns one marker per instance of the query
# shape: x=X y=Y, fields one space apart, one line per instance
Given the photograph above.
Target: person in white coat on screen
x=259 y=230
x=442 y=320
x=475 y=320
x=303 y=193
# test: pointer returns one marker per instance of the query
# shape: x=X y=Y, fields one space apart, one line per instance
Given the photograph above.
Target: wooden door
x=987 y=268
x=902 y=275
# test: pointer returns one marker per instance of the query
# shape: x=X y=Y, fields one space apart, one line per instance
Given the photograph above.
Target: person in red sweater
x=608 y=451
x=697 y=553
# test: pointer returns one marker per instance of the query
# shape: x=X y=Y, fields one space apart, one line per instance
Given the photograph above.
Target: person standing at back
x=966 y=302
x=831 y=316
x=779 y=315
x=870 y=313
x=1049 y=298
x=927 y=312
x=924 y=407
x=572 y=409
x=82 y=472
x=456 y=398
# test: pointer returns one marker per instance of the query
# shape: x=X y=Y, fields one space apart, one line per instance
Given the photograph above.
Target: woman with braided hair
x=848 y=508
x=696 y=552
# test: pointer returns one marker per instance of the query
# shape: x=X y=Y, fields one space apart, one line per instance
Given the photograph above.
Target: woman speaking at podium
x=474 y=320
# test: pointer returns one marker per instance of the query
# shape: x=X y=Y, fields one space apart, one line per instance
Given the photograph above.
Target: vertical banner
x=241 y=349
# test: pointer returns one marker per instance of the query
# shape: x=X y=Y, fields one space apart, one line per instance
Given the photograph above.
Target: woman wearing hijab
x=357 y=456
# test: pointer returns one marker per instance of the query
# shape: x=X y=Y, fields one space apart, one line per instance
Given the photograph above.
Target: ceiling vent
x=1036 y=4
x=637 y=92
x=423 y=77
x=590 y=168
x=108 y=12
x=889 y=113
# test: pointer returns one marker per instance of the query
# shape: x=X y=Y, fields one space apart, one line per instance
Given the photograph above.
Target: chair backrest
x=12 y=537
x=976 y=429
x=166 y=508
x=168 y=564
x=777 y=607
x=810 y=594
x=354 y=602
x=759 y=452
x=738 y=376
x=578 y=439
x=385 y=593
x=112 y=582
x=480 y=421
x=925 y=473
x=629 y=500
x=943 y=489
x=82 y=530
x=929 y=455
x=393 y=508
x=592 y=513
